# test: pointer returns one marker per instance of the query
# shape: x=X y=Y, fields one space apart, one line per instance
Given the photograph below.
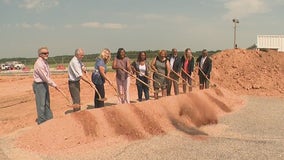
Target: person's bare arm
x=168 y=68
x=102 y=73
x=153 y=65
x=128 y=65
x=85 y=78
x=114 y=64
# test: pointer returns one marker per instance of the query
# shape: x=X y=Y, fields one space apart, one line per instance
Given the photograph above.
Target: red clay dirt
x=235 y=72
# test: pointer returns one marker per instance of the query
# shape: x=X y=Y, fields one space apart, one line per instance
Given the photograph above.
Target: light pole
x=235 y=30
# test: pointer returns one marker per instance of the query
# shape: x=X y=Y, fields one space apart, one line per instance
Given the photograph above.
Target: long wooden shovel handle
x=166 y=76
x=204 y=74
x=70 y=103
x=64 y=95
x=100 y=97
x=96 y=90
x=149 y=78
x=117 y=93
x=180 y=77
x=214 y=85
x=136 y=78
x=187 y=74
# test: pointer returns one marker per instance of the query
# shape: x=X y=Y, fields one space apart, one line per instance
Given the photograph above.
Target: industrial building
x=275 y=42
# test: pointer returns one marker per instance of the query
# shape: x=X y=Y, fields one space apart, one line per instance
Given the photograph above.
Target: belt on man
x=74 y=81
x=39 y=82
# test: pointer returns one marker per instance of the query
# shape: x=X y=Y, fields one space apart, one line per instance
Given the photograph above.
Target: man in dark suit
x=204 y=69
x=175 y=63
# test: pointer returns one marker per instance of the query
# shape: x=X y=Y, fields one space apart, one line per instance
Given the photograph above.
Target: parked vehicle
x=19 y=66
x=5 y=67
x=12 y=65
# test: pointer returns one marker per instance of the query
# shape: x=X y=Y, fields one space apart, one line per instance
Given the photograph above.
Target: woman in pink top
x=120 y=63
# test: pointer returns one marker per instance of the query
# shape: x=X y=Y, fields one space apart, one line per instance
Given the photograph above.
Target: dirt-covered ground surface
x=239 y=117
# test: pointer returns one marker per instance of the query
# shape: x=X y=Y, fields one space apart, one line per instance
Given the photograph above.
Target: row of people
x=166 y=69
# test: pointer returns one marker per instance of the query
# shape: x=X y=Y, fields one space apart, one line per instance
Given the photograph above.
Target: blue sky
x=64 y=25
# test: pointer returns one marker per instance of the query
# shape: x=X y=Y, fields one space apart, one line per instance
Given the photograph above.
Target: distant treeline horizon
x=91 y=57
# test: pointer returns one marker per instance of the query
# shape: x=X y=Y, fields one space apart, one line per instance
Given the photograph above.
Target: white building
x=271 y=42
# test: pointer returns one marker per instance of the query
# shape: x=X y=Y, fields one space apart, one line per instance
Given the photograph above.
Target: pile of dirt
x=249 y=72
x=128 y=122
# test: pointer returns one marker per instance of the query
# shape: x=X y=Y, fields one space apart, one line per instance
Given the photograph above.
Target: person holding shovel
x=141 y=68
x=175 y=63
x=160 y=66
x=187 y=61
x=41 y=82
x=99 y=76
x=75 y=74
x=204 y=64
x=121 y=63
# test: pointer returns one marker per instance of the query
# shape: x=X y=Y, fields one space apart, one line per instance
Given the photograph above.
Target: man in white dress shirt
x=76 y=72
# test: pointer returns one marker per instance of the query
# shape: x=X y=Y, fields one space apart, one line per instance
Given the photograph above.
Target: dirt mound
x=128 y=122
x=249 y=72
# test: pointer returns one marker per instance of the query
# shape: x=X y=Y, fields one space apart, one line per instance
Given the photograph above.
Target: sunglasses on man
x=45 y=53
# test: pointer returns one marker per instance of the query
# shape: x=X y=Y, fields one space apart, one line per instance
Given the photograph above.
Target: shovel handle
x=149 y=78
x=136 y=78
x=64 y=95
x=166 y=76
x=187 y=74
x=181 y=78
x=204 y=74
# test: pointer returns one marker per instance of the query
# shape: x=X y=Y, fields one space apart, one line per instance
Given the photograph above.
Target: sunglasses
x=45 y=53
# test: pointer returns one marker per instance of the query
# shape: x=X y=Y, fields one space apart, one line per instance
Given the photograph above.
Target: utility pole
x=235 y=31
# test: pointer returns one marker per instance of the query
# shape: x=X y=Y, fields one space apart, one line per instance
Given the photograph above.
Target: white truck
x=4 y=66
x=19 y=66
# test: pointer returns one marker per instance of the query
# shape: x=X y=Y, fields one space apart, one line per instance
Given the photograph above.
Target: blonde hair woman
x=99 y=76
x=187 y=62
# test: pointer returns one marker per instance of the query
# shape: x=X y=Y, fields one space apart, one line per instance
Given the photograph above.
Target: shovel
x=70 y=103
x=213 y=85
x=166 y=77
x=100 y=97
x=148 y=78
x=117 y=93
x=137 y=79
x=187 y=74
x=181 y=78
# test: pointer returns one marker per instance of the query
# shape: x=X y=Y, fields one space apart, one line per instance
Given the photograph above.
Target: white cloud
x=38 y=4
x=103 y=25
x=152 y=17
x=7 y=1
x=91 y=25
x=40 y=26
x=37 y=26
x=114 y=26
x=165 y=18
x=24 y=25
x=68 y=26
x=244 y=8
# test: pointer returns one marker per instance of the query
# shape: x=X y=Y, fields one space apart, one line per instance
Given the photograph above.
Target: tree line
x=91 y=57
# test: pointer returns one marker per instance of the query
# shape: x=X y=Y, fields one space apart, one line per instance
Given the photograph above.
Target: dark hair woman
x=121 y=64
x=141 y=68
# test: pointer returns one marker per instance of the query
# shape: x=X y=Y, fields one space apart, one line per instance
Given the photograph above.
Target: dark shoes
x=76 y=107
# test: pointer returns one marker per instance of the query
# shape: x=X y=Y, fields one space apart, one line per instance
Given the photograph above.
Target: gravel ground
x=253 y=132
